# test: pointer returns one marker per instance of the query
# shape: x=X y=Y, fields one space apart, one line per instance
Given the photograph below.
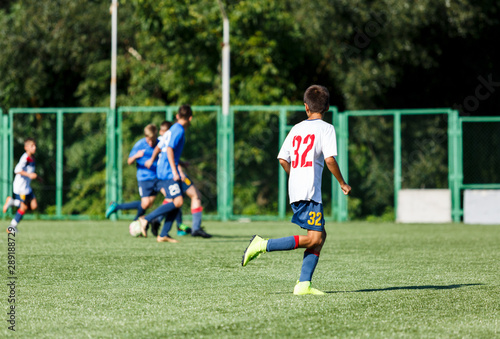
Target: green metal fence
x=7 y=156
x=479 y=154
x=225 y=153
x=454 y=175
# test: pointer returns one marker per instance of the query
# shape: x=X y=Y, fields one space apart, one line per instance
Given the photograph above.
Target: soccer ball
x=135 y=228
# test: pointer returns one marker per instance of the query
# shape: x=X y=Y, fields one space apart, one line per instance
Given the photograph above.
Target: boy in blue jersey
x=308 y=146
x=169 y=180
x=189 y=189
x=146 y=176
x=182 y=229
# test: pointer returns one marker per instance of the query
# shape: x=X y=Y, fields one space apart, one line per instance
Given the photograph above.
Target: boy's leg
x=113 y=207
x=175 y=193
x=311 y=254
x=133 y=205
x=196 y=230
x=33 y=204
x=146 y=202
x=196 y=209
x=148 y=189
x=17 y=218
x=9 y=202
x=182 y=229
x=167 y=226
x=26 y=201
x=313 y=242
x=178 y=218
x=158 y=212
x=309 y=262
x=259 y=245
x=155 y=225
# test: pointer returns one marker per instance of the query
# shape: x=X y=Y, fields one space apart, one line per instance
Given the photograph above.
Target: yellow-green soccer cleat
x=255 y=248
x=304 y=287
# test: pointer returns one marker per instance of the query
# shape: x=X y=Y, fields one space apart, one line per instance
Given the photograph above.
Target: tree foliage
x=370 y=54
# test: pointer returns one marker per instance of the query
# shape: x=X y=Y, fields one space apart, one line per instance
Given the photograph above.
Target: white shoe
x=12 y=229
x=8 y=203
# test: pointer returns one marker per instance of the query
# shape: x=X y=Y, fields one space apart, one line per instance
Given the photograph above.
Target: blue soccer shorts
x=308 y=215
x=147 y=188
x=25 y=198
x=186 y=183
x=172 y=188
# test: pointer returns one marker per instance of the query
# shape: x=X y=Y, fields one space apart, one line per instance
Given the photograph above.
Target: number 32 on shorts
x=315 y=218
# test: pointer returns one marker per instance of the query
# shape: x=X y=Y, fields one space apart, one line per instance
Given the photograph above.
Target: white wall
x=482 y=207
x=424 y=206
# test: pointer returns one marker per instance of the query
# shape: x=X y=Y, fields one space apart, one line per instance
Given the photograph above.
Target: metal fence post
x=59 y=162
x=223 y=166
x=111 y=168
x=341 y=209
x=282 y=182
x=10 y=143
x=4 y=143
x=397 y=158
x=119 y=156
x=455 y=172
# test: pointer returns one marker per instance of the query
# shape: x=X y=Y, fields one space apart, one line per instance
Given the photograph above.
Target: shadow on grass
x=424 y=287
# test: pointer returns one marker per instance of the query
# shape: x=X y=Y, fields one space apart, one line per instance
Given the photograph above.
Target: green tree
x=370 y=54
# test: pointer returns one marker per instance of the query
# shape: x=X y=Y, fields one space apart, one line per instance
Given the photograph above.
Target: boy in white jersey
x=309 y=145
x=24 y=197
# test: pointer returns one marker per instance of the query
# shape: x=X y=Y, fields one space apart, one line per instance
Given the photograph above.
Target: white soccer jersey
x=305 y=148
x=163 y=141
x=22 y=183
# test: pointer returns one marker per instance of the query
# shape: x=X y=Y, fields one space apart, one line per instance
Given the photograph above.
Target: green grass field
x=91 y=279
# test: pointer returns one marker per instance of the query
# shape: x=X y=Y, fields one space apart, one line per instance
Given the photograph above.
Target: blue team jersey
x=144 y=173
x=173 y=138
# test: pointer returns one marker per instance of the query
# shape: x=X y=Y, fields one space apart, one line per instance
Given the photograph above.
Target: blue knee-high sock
x=308 y=265
x=161 y=210
x=140 y=212
x=17 y=218
x=167 y=225
x=134 y=205
x=283 y=244
x=196 y=213
x=178 y=218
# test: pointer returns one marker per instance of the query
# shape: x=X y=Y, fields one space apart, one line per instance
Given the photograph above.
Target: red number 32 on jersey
x=297 y=141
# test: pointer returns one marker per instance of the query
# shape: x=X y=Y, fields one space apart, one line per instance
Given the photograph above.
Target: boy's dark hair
x=28 y=140
x=185 y=112
x=166 y=125
x=317 y=98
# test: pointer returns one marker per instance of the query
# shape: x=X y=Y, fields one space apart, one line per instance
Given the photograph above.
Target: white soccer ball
x=135 y=228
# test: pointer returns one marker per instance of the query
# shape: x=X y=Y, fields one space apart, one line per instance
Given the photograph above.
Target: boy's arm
x=286 y=165
x=32 y=176
x=181 y=172
x=156 y=151
x=171 y=161
x=333 y=166
x=139 y=154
